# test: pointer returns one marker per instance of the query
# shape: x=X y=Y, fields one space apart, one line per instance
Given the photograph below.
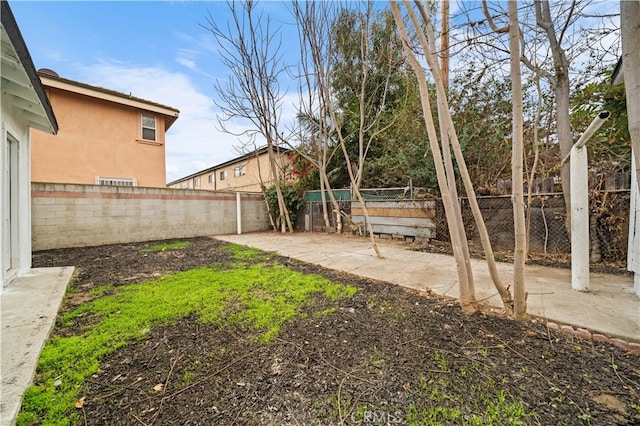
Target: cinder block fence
x=66 y=215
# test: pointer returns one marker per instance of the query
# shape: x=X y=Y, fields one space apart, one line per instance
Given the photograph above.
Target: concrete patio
x=610 y=308
x=29 y=306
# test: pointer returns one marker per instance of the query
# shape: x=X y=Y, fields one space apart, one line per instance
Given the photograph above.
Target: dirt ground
x=380 y=354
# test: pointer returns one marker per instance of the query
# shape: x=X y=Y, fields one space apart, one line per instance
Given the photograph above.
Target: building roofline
x=73 y=86
x=617 y=77
x=256 y=152
x=11 y=27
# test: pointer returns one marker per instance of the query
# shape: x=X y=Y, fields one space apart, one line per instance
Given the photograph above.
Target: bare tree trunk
x=520 y=306
x=314 y=26
x=458 y=225
x=446 y=128
x=283 y=217
x=323 y=198
x=452 y=135
x=630 y=26
x=264 y=191
x=536 y=150
x=565 y=141
x=250 y=50
x=444 y=45
x=334 y=204
x=354 y=178
x=358 y=195
x=467 y=300
x=560 y=82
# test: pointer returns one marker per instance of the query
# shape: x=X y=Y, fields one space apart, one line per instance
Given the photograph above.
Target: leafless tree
x=314 y=21
x=250 y=49
x=517 y=169
x=319 y=44
x=425 y=34
x=517 y=155
x=560 y=82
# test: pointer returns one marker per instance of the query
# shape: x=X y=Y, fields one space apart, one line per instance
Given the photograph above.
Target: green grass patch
x=448 y=400
x=245 y=254
x=166 y=246
x=442 y=396
x=259 y=296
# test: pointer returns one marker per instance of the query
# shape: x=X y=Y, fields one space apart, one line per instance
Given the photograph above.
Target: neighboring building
x=24 y=106
x=246 y=173
x=105 y=137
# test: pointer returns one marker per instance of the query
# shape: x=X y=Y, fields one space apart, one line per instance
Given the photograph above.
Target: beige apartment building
x=105 y=137
x=246 y=173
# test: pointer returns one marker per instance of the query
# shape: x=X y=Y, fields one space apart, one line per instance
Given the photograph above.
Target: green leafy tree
x=481 y=111
x=293 y=200
x=376 y=67
x=610 y=148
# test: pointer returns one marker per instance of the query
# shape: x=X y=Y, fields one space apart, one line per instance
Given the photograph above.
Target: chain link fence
x=547 y=224
x=415 y=219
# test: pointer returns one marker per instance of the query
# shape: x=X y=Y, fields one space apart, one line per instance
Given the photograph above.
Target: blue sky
x=157 y=50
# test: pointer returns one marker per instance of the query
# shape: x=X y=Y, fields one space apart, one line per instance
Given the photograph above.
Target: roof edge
x=617 y=77
x=11 y=26
x=111 y=92
x=257 y=151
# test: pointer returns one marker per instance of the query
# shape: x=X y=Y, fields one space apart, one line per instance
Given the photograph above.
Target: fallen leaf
x=80 y=403
x=158 y=387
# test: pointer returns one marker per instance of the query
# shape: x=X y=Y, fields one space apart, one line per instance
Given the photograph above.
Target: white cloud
x=186 y=62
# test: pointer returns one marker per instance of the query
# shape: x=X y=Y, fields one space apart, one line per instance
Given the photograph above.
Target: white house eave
x=17 y=89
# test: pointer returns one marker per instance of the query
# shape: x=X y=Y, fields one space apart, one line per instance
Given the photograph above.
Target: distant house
x=246 y=173
x=24 y=106
x=105 y=137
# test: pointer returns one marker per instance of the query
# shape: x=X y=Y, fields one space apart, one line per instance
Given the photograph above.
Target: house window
x=148 y=127
x=239 y=171
x=196 y=182
x=212 y=178
x=115 y=181
x=224 y=175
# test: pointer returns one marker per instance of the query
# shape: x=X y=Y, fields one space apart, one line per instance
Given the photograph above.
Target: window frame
x=111 y=181
x=224 y=175
x=144 y=127
x=239 y=171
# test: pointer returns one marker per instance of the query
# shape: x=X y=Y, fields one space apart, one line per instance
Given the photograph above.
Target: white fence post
x=239 y=212
x=579 y=219
x=579 y=174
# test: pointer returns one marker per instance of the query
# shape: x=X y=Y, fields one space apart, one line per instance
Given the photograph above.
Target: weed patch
x=267 y=295
x=165 y=246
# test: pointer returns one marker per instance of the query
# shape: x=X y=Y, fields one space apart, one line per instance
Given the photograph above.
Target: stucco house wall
x=100 y=138
x=242 y=174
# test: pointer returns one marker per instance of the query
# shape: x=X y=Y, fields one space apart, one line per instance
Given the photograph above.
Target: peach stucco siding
x=97 y=138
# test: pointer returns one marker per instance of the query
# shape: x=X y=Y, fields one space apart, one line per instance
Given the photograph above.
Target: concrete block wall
x=69 y=215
